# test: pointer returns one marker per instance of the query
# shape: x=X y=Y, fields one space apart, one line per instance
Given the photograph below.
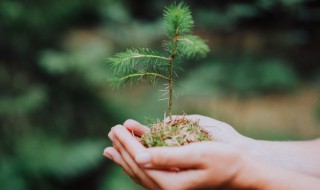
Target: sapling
x=149 y=65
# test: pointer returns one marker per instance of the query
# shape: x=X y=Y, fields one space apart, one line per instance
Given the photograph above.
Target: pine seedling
x=143 y=64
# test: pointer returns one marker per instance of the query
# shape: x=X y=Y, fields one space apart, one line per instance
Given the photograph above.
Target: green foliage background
x=56 y=105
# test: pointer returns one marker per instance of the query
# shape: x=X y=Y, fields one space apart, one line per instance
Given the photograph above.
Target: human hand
x=168 y=168
x=209 y=164
x=117 y=153
x=220 y=131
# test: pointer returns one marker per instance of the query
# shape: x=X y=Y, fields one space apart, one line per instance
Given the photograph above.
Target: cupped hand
x=201 y=165
x=207 y=165
x=220 y=131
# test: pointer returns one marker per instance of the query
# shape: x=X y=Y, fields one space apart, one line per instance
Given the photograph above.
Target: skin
x=227 y=163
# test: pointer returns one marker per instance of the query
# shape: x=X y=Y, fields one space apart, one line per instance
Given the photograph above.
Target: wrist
x=256 y=174
x=249 y=174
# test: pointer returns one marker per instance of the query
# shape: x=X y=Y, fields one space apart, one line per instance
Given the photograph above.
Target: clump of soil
x=176 y=132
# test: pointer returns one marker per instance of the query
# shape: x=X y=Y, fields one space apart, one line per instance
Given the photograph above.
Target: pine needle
x=192 y=46
x=142 y=64
x=178 y=16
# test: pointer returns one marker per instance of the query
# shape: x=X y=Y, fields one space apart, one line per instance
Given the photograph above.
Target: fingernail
x=144 y=158
x=107 y=155
x=111 y=137
x=128 y=121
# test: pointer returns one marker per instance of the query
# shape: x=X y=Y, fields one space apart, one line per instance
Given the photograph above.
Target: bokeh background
x=56 y=107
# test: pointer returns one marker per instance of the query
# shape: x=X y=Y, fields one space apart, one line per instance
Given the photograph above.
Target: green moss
x=176 y=132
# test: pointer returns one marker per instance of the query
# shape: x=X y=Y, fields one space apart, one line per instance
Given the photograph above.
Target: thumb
x=135 y=127
x=170 y=157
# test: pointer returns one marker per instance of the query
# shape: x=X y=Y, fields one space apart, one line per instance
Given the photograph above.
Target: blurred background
x=56 y=107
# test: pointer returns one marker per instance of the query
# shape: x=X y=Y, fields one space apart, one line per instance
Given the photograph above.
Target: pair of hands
x=195 y=166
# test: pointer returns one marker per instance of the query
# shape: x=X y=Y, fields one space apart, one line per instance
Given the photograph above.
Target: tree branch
x=144 y=74
x=145 y=56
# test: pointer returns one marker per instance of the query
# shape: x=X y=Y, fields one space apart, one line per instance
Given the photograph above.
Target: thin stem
x=170 y=90
x=173 y=52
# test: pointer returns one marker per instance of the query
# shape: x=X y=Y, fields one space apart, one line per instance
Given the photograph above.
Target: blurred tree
x=286 y=28
x=250 y=76
x=51 y=124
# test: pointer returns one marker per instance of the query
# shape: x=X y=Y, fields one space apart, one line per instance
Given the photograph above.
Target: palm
x=220 y=131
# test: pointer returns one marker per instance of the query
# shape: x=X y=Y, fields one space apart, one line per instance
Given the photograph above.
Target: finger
x=137 y=172
x=135 y=127
x=111 y=133
x=126 y=157
x=185 y=157
x=129 y=143
x=115 y=156
x=189 y=179
x=138 y=139
x=111 y=137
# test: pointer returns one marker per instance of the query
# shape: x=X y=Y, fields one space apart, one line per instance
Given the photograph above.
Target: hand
x=220 y=131
x=121 y=156
x=209 y=164
x=152 y=168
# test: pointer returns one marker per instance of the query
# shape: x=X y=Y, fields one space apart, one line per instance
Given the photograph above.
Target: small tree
x=149 y=65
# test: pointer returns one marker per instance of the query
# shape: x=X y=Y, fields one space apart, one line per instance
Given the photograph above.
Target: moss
x=176 y=132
